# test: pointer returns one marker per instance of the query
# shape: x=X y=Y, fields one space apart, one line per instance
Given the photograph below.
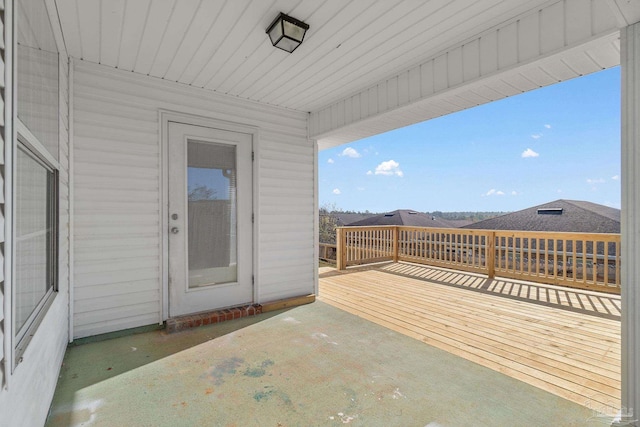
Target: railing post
x=341 y=250
x=491 y=254
x=396 y=237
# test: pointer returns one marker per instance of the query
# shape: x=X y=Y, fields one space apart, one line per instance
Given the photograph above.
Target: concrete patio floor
x=312 y=365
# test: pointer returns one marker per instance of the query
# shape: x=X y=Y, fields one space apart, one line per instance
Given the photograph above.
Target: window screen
x=34 y=235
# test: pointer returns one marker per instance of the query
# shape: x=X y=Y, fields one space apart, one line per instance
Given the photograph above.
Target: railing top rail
x=445 y=230
x=367 y=227
x=607 y=237
x=612 y=237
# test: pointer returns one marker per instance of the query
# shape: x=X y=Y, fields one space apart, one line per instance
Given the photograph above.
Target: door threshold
x=176 y=324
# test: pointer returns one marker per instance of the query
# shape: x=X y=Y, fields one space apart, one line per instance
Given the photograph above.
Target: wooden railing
x=579 y=260
x=328 y=252
x=365 y=245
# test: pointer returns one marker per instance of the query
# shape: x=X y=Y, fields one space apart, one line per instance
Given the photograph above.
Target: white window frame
x=26 y=141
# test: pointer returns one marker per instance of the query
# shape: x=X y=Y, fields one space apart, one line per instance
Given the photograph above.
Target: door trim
x=164 y=117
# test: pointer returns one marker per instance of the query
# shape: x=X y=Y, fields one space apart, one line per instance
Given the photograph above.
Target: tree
x=327 y=224
x=202 y=192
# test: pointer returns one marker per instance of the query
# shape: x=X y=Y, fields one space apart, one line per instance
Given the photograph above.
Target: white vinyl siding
x=117 y=195
x=116 y=202
x=64 y=236
x=286 y=217
x=3 y=61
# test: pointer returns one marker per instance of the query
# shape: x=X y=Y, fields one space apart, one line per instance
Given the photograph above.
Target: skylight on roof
x=388 y=214
x=550 y=211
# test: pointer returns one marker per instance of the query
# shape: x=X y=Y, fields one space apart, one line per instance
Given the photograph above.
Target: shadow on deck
x=578 y=300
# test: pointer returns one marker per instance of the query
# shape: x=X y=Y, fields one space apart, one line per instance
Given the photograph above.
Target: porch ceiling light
x=287 y=33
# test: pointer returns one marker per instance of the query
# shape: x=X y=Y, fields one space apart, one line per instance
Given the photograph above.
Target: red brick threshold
x=181 y=323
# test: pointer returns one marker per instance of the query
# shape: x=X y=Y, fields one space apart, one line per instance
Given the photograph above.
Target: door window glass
x=211 y=223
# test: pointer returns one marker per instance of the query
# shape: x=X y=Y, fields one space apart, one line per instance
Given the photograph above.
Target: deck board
x=567 y=343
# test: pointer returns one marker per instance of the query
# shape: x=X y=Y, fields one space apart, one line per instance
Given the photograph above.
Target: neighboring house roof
x=349 y=218
x=410 y=218
x=560 y=215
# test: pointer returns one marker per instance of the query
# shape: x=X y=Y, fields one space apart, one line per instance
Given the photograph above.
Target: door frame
x=164 y=117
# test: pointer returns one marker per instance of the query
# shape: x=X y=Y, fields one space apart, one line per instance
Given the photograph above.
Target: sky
x=211 y=179
x=556 y=142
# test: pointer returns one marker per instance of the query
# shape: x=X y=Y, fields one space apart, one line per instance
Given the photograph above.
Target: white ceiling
x=222 y=46
x=351 y=47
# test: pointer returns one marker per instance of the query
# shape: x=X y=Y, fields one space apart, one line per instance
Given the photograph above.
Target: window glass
x=212 y=222
x=34 y=235
x=37 y=77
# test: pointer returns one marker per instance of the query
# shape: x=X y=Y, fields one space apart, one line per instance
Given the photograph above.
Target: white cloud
x=559 y=191
x=536 y=136
x=330 y=161
x=547 y=126
x=360 y=188
x=595 y=181
x=514 y=193
x=529 y=153
x=336 y=191
x=390 y=167
x=350 y=152
x=615 y=177
x=369 y=173
x=494 y=192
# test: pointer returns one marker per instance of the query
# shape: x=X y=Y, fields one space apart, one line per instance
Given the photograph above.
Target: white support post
x=630 y=224
x=316 y=220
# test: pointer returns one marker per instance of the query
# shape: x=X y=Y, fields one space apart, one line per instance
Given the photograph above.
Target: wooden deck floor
x=565 y=342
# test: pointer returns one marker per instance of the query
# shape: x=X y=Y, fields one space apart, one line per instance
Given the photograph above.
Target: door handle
x=174 y=230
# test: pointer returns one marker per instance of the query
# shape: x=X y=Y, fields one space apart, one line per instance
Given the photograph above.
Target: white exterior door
x=210 y=224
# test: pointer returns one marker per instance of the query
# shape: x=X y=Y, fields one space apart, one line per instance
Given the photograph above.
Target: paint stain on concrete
x=218 y=372
x=346 y=419
x=254 y=372
x=259 y=371
x=262 y=395
x=397 y=394
x=272 y=393
x=323 y=337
